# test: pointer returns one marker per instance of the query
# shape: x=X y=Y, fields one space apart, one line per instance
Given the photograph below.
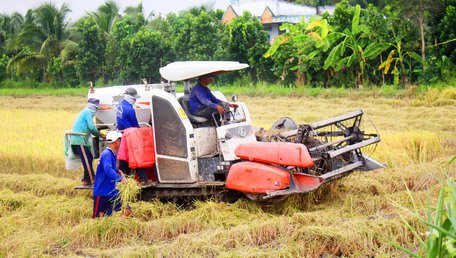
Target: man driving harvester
x=203 y=103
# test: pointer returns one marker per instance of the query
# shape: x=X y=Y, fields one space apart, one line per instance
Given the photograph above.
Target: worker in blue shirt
x=125 y=113
x=105 y=195
x=203 y=103
x=126 y=118
x=79 y=138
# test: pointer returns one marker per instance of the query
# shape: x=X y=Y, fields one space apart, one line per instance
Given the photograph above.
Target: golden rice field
x=42 y=215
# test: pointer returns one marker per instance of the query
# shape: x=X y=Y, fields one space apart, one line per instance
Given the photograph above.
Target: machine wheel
x=284 y=123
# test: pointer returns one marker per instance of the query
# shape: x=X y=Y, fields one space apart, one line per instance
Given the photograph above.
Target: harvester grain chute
x=195 y=158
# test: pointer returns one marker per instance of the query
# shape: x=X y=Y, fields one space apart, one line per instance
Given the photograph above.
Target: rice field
x=42 y=215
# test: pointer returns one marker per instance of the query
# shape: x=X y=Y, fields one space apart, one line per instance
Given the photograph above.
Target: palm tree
x=44 y=40
x=139 y=10
x=132 y=10
x=10 y=26
x=106 y=16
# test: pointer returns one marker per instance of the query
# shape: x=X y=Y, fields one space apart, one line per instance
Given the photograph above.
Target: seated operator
x=203 y=103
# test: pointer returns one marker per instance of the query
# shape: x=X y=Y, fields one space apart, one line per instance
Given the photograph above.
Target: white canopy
x=179 y=71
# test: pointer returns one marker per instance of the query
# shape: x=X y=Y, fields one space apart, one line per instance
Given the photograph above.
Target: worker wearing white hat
x=105 y=195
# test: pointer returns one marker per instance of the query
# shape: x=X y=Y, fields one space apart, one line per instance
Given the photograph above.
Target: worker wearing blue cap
x=83 y=127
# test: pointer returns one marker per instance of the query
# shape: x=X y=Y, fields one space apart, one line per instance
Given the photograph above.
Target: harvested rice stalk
x=128 y=192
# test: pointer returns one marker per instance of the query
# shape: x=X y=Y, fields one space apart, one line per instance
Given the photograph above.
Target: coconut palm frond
x=68 y=48
x=106 y=16
x=133 y=10
x=29 y=62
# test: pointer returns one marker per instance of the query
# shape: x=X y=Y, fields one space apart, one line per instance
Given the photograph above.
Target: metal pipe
x=342 y=170
x=333 y=142
x=333 y=120
x=355 y=146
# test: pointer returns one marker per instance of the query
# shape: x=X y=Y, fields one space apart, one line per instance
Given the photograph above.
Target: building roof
x=256 y=7
x=289 y=18
x=273 y=11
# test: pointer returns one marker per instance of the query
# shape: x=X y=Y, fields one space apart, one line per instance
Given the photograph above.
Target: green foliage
x=441 y=222
x=248 y=42
x=118 y=47
x=195 y=35
x=359 y=49
x=144 y=52
x=91 y=54
x=378 y=42
x=343 y=15
x=106 y=16
x=301 y=50
x=396 y=62
x=446 y=31
x=365 y=3
x=3 y=64
x=10 y=27
x=45 y=43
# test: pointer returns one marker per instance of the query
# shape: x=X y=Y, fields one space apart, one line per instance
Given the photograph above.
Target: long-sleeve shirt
x=201 y=96
x=107 y=175
x=83 y=124
x=126 y=116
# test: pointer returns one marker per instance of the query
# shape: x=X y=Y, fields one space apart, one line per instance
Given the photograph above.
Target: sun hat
x=94 y=102
x=113 y=136
x=132 y=92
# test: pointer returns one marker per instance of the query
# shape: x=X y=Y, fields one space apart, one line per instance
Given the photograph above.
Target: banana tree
x=395 y=63
x=353 y=49
x=302 y=46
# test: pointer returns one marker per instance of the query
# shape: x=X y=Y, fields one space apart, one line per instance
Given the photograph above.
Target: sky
x=80 y=7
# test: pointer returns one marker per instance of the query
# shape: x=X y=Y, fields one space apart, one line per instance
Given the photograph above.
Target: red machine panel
x=280 y=153
x=139 y=147
x=253 y=177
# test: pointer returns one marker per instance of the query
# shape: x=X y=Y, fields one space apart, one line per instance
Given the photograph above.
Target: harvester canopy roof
x=180 y=71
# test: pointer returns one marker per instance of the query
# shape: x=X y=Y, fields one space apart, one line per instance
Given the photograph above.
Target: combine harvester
x=194 y=159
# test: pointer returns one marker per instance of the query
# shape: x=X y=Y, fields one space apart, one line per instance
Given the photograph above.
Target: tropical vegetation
x=365 y=42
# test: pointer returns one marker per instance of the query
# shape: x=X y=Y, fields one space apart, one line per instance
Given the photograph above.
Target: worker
x=126 y=118
x=125 y=115
x=79 y=143
x=203 y=103
x=105 y=195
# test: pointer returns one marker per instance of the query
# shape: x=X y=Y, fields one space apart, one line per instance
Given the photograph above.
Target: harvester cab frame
x=195 y=158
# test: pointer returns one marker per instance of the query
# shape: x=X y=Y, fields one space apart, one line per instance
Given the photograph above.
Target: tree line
x=390 y=41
